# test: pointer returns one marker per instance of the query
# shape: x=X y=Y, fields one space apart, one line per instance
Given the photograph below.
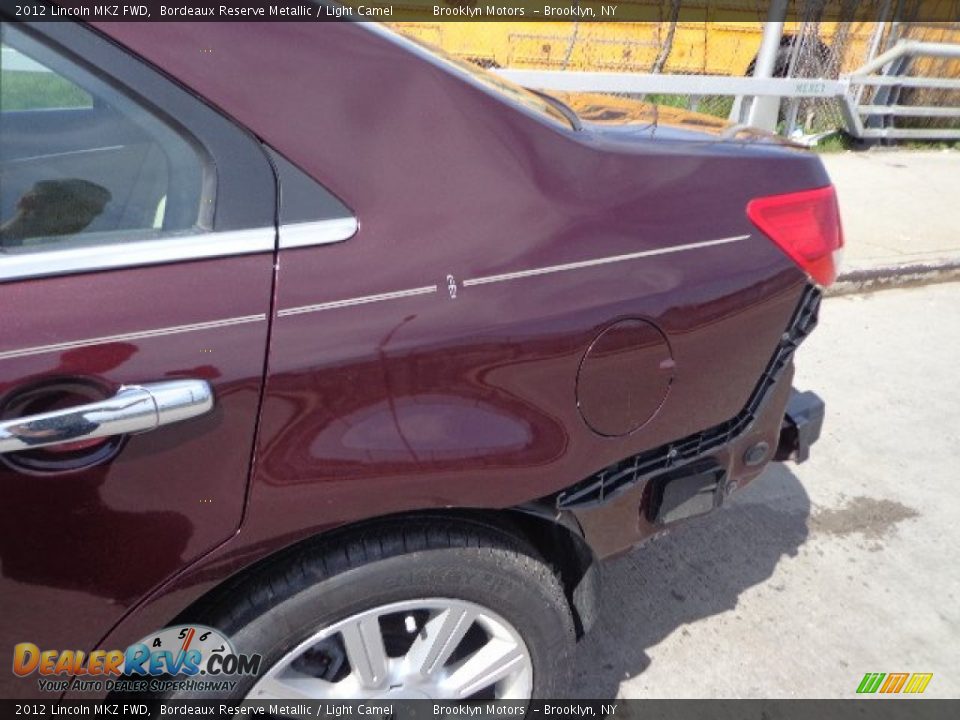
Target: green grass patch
x=716 y=105
x=22 y=90
x=838 y=142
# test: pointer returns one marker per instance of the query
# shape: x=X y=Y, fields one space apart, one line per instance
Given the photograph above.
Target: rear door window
x=84 y=164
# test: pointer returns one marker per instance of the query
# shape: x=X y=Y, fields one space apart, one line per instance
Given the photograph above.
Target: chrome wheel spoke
x=437 y=640
x=365 y=651
x=425 y=648
x=488 y=665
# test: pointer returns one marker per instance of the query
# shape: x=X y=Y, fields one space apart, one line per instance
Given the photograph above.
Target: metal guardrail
x=647 y=83
x=881 y=72
x=840 y=90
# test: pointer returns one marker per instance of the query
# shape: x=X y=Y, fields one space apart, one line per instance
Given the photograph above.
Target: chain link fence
x=822 y=39
x=824 y=53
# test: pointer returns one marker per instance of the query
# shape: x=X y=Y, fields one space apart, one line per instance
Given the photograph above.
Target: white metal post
x=764 y=111
x=874 y=44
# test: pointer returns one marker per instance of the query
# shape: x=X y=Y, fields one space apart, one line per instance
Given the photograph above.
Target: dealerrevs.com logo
x=188 y=658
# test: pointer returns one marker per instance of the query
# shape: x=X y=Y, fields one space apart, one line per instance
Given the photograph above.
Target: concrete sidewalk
x=900 y=211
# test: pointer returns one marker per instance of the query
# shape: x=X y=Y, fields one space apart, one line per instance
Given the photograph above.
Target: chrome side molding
x=23 y=265
x=135 y=253
x=321 y=232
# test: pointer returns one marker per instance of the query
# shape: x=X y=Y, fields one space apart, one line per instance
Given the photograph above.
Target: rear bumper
x=628 y=502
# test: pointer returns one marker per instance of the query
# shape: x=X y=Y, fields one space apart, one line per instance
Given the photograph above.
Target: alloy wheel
x=435 y=648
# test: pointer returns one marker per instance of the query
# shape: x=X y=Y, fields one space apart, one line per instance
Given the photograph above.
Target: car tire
x=423 y=574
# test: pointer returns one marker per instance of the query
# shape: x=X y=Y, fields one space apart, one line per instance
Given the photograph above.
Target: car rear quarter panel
x=431 y=400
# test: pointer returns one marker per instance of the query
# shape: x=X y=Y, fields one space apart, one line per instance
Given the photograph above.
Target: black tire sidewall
x=514 y=586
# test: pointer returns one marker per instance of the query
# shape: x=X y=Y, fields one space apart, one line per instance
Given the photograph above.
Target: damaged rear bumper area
x=626 y=503
x=801 y=427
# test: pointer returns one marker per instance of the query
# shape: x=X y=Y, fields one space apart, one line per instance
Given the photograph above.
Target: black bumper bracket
x=802 y=423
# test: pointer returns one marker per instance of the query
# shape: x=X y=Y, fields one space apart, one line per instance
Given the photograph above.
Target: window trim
x=317 y=232
x=174 y=248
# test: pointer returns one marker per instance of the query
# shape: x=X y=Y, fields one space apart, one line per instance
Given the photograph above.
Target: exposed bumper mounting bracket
x=802 y=423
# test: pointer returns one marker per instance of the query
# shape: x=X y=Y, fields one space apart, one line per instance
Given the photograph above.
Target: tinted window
x=82 y=163
x=25 y=84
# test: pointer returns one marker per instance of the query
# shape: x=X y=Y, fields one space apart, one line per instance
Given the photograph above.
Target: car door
x=137 y=242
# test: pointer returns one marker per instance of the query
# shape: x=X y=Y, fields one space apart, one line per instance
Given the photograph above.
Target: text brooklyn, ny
x=569 y=11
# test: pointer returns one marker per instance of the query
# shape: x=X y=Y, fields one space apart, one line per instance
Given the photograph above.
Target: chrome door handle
x=134 y=409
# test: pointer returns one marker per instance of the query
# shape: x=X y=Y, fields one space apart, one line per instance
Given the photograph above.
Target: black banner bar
x=465 y=11
x=874 y=709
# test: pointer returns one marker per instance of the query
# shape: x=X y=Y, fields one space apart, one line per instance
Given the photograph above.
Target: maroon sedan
x=361 y=357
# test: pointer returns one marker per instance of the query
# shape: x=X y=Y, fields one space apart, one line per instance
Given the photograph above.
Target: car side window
x=83 y=163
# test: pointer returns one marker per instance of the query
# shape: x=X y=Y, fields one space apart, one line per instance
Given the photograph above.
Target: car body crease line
x=362 y=300
x=581 y=264
x=138 y=335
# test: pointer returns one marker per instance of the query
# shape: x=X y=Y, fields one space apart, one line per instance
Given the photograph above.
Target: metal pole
x=764 y=111
x=793 y=106
x=874 y=44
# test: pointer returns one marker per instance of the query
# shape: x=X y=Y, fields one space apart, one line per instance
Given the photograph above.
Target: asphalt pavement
x=816 y=573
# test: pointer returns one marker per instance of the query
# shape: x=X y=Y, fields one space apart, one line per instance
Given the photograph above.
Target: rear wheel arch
x=531 y=529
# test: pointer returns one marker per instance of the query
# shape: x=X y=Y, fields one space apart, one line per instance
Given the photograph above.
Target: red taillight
x=805 y=225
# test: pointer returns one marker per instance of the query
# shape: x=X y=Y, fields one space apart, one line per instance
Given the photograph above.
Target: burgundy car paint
x=80 y=549
x=395 y=383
